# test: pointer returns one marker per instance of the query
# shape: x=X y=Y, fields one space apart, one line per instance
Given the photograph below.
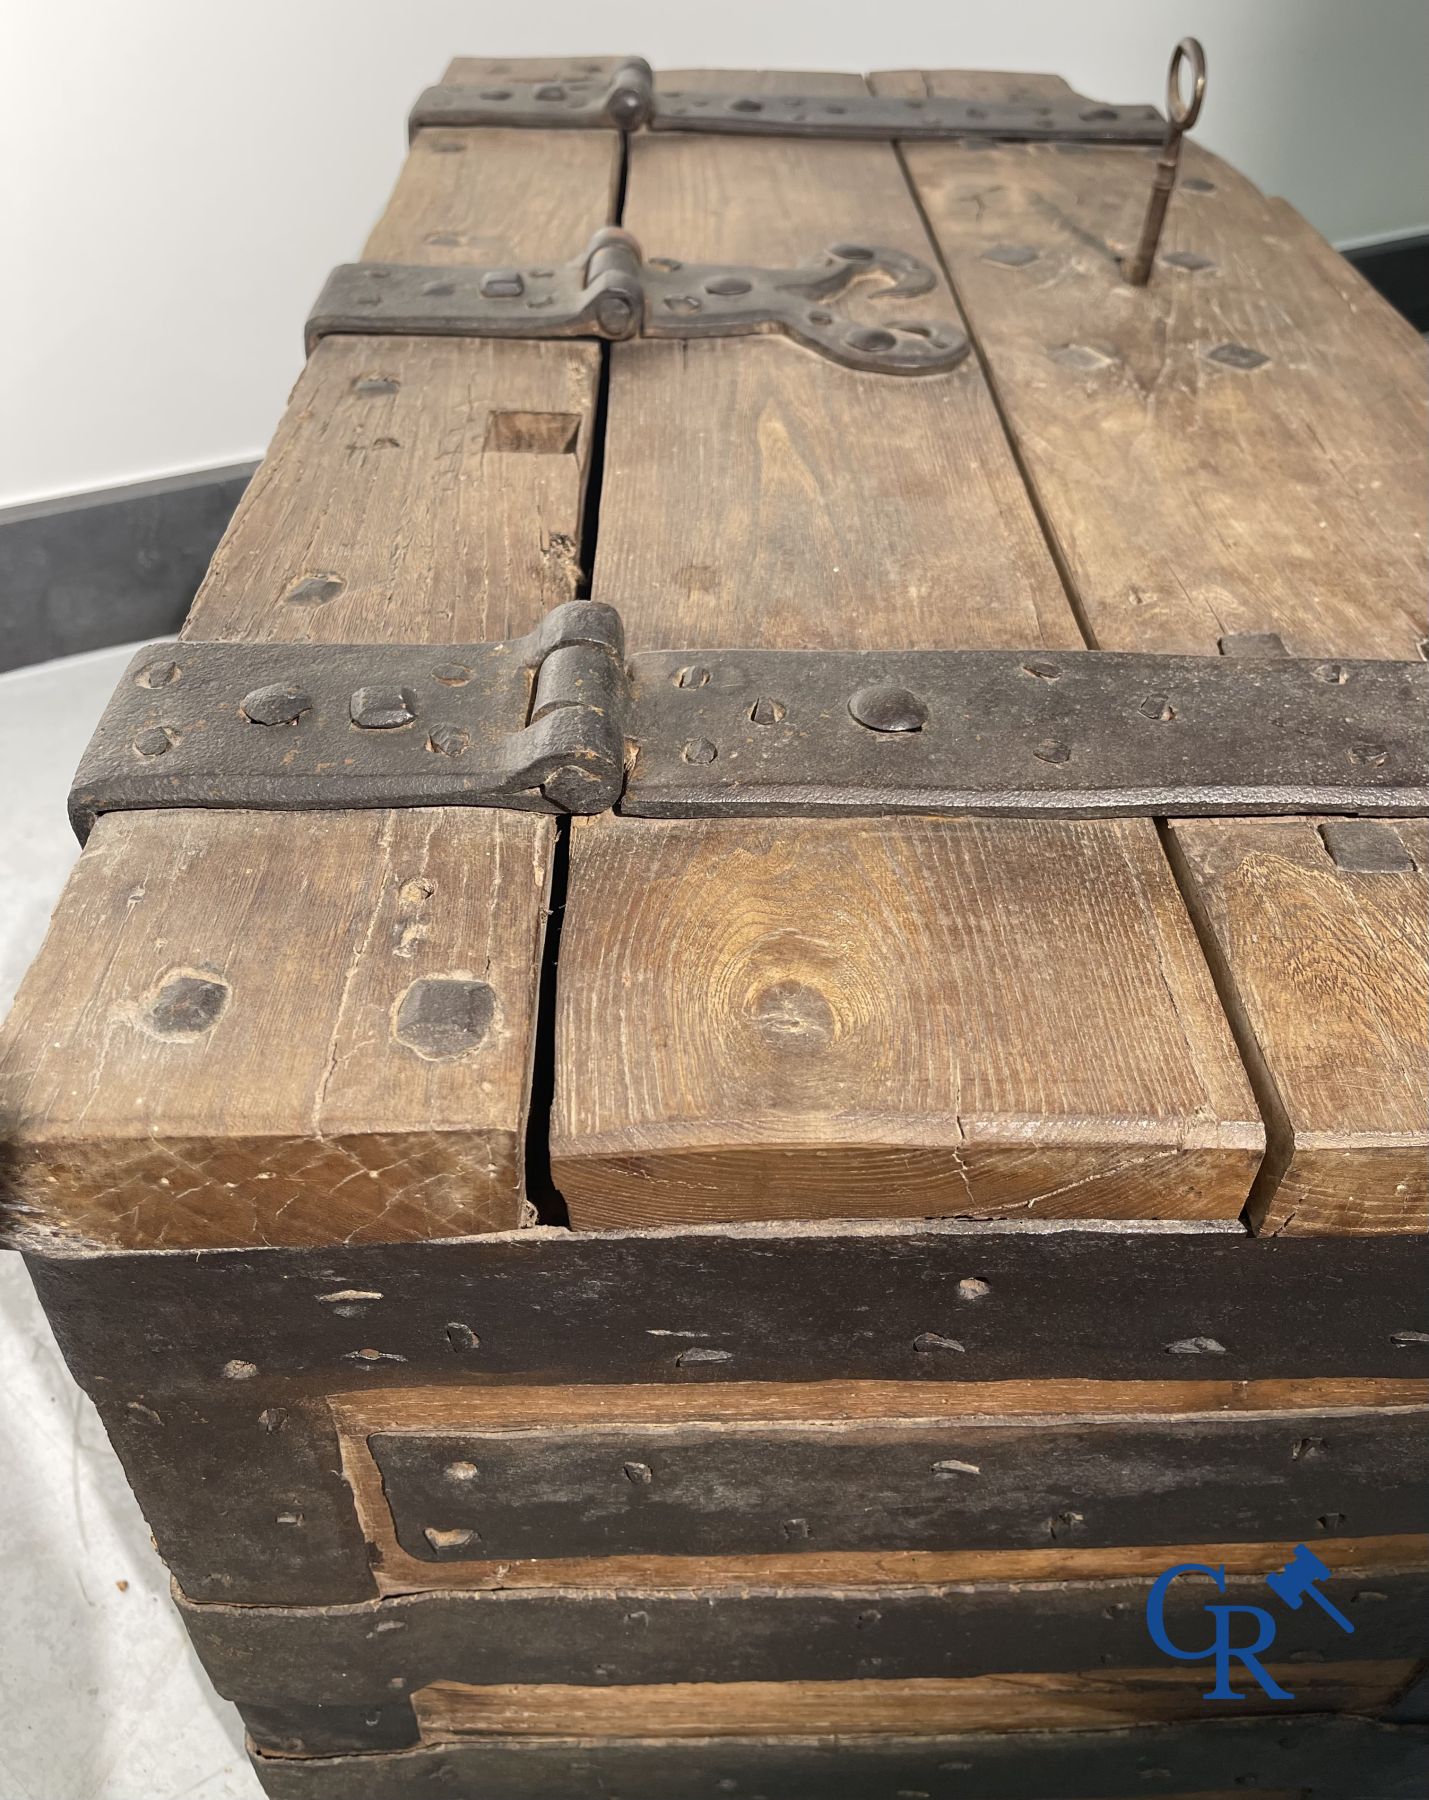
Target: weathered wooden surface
x=420 y=491
x=853 y=1017
x=1329 y=967
x=212 y=1370
x=290 y=1661
x=227 y=1082
x=1291 y=1759
x=919 y=1483
x=862 y=1709
x=1237 y=448
x=998 y=1017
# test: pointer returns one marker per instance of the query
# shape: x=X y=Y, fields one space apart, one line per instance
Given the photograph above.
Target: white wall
x=178 y=177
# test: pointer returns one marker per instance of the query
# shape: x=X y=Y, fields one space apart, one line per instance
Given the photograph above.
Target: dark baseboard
x=108 y=567
x=1399 y=269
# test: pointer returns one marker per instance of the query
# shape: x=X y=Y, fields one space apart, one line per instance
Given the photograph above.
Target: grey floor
x=100 y=1696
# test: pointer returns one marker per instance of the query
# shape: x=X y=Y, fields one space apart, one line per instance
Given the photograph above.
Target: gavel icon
x=1182 y=111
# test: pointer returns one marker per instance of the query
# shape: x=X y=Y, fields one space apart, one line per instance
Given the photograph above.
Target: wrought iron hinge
x=613 y=291
x=557 y=722
x=627 y=98
x=536 y=724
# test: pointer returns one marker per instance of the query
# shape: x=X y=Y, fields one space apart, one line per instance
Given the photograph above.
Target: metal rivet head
x=1051 y=751
x=1158 y=707
x=449 y=740
x=699 y=750
x=157 y=674
x=729 y=285
x=1096 y=114
x=766 y=711
x=276 y=705
x=1011 y=256
x=872 y=338
x=502 y=284
x=382 y=708
x=452 y=674
x=552 y=91
x=439 y=289
x=692 y=677
x=1238 y=356
x=155 y=741
x=445 y=1015
x=883 y=706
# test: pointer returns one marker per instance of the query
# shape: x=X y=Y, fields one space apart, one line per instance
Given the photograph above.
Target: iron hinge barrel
x=627 y=97
x=558 y=721
x=612 y=291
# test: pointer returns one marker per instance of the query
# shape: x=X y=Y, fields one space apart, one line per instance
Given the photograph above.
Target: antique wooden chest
x=742 y=1031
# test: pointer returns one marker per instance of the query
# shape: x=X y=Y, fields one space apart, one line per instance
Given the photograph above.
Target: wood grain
x=1330 y=970
x=811 y=1018
x=261 y=1127
x=397 y=503
x=921 y=1475
x=1305 y=1758
x=449 y=1711
x=996 y=1018
x=1189 y=498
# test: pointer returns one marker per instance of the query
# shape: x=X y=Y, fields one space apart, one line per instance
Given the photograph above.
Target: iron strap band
x=626 y=98
x=557 y=722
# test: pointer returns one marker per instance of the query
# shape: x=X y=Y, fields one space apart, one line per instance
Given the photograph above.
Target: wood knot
x=791 y=1016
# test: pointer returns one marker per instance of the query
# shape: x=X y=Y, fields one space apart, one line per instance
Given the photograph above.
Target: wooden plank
x=1330 y=969
x=295 y=1659
x=1189 y=498
x=418 y=1413
x=889 y=1016
x=749 y=1486
x=1286 y=1759
x=417 y=491
x=302 y=1117
x=212 y=1370
x=449 y=1711
x=875 y=1016
x=1193 y=493
x=311 y=1669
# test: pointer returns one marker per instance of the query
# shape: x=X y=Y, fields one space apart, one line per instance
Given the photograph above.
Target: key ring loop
x=1183 y=113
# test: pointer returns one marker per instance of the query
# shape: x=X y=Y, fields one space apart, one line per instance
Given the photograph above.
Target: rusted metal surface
x=628 y=98
x=1182 y=112
x=613 y=291
x=533 y=724
x=1017 y=733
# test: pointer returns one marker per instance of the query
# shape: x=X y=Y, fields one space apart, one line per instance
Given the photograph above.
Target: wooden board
x=922 y=1481
x=1287 y=1759
x=1330 y=970
x=812 y=1018
x=1192 y=495
x=214 y=1371
x=418 y=491
x=889 y=1016
x=309 y=1674
x=449 y=1711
